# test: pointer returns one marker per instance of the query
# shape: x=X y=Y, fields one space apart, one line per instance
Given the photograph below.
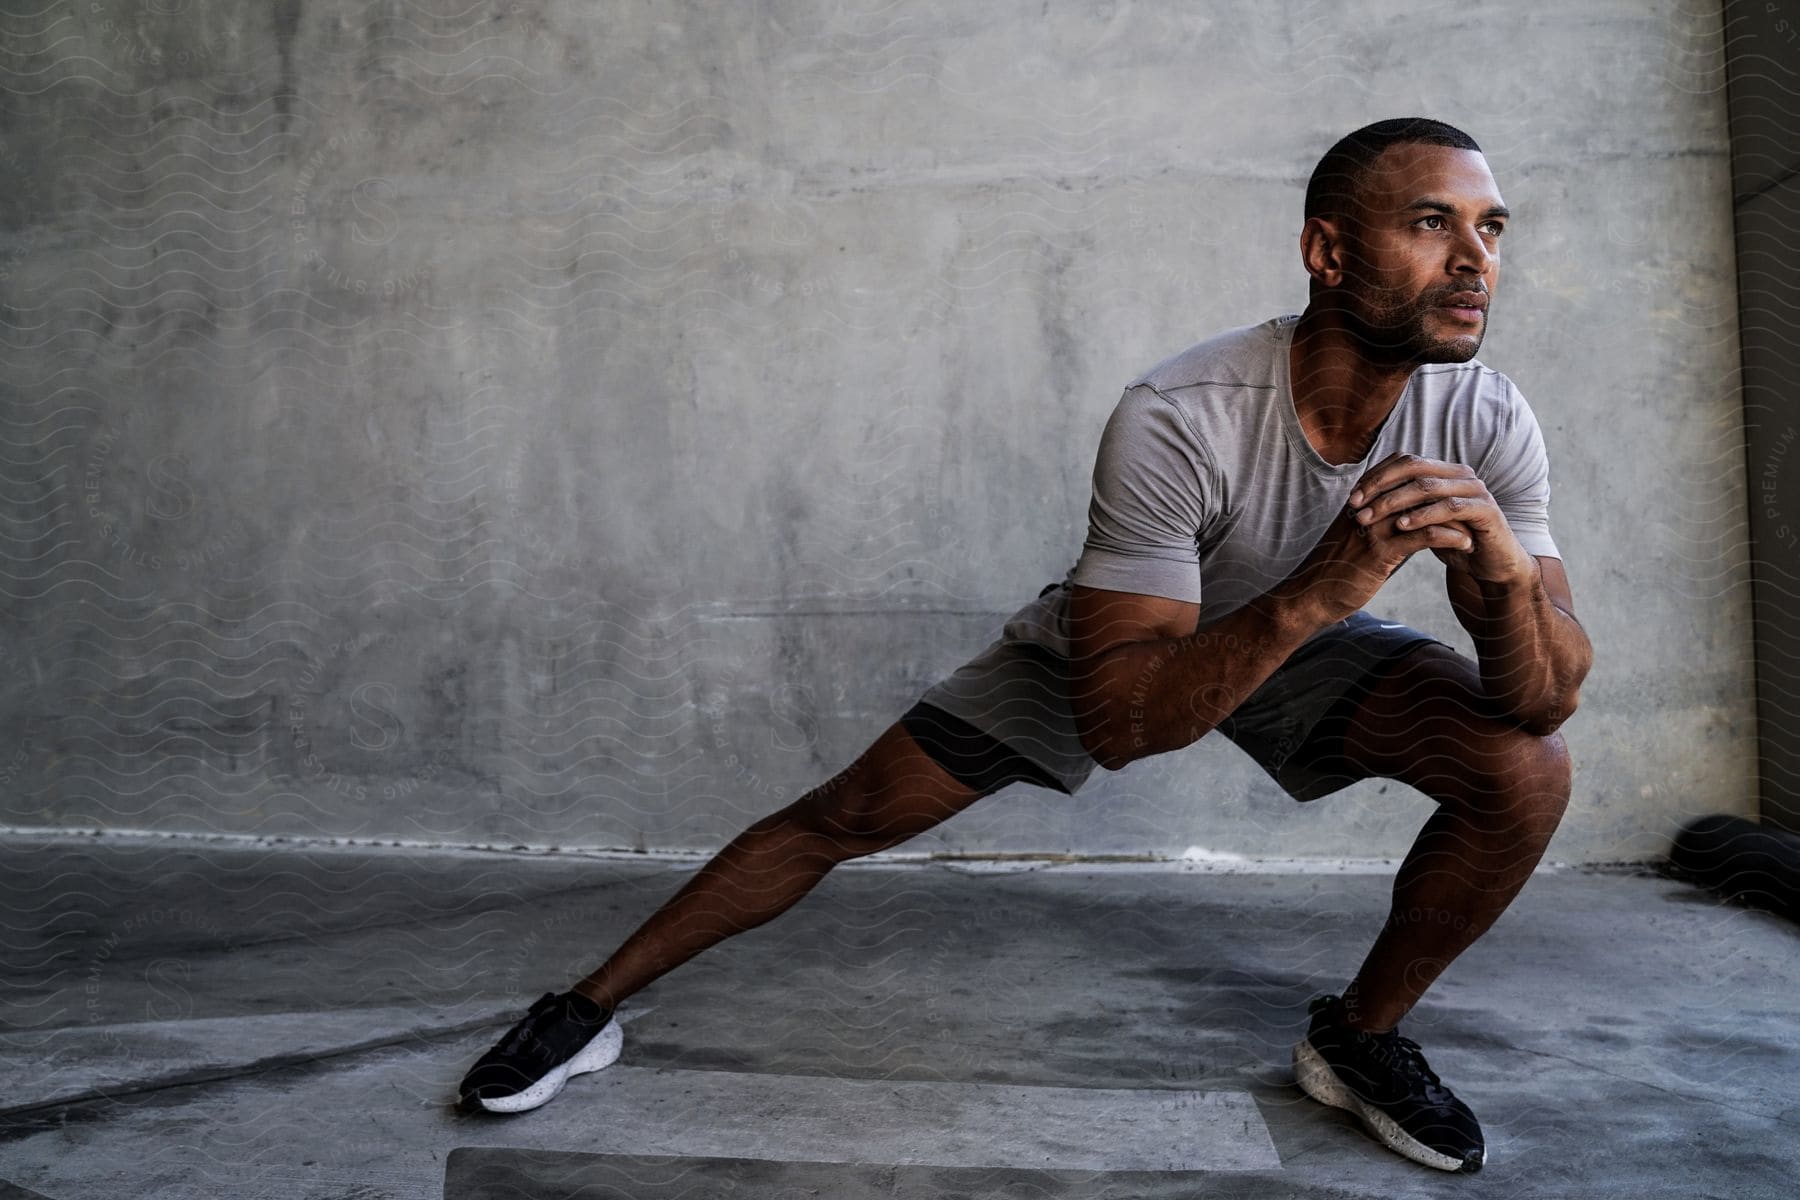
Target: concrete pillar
x=1762 y=43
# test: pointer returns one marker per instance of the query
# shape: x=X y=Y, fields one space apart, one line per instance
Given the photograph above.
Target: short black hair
x=1342 y=173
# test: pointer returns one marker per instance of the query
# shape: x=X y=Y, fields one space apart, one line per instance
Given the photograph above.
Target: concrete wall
x=566 y=424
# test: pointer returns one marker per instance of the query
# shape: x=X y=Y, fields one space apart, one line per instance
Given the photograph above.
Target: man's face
x=1423 y=256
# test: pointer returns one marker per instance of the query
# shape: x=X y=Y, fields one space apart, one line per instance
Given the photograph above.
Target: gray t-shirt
x=1206 y=489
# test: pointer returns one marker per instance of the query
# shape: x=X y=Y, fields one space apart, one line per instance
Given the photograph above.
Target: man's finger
x=1460 y=509
x=1385 y=478
x=1395 y=470
x=1432 y=537
x=1463 y=497
x=1385 y=538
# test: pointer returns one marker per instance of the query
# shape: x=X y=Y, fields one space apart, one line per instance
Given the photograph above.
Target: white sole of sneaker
x=603 y=1051
x=1318 y=1080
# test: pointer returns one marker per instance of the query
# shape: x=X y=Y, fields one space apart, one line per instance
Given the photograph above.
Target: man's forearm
x=1533 y=655
x=1170 y=692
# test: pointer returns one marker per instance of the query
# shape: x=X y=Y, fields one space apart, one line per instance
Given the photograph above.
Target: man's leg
x=893 y=792
x=1501 y=792
x=890 y=793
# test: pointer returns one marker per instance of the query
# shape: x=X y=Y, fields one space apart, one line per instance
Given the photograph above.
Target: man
x=1251 y=494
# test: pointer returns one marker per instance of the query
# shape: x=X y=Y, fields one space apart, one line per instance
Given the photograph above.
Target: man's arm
x=1140 y=687
x=1133 y=698
x=1534 y=653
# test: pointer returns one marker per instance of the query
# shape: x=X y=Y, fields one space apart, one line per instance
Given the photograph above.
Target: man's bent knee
x=1550 y=776
x=1524 y=779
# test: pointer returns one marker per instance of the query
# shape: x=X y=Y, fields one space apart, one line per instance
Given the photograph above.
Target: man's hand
x=1416 y=494
x=1354 y=558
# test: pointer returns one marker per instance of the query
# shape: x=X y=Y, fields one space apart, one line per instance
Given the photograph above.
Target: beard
x=1400 y=331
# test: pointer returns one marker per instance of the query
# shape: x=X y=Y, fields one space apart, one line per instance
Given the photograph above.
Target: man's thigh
x=1295 y=724
x=1005 y=716
x=1429 y=722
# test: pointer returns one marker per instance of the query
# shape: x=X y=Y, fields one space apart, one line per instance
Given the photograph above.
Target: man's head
x=1403 y=221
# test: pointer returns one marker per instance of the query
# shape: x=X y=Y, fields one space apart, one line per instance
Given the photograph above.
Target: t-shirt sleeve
x=1148 y=503
x=1517 y=474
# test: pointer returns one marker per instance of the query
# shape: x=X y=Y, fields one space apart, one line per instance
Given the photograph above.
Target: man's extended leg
x=1501 y=792
x=893 y=792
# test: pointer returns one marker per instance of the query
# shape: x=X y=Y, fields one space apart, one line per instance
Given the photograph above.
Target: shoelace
x=1400 y=1052
x=1406 y=1056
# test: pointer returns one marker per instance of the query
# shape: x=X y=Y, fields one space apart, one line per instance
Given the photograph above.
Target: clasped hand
x=1416 y=493
x=1401 y=505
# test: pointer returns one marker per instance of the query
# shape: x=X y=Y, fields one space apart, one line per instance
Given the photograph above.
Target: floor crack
x=1664 y=1089
x=10 y=1117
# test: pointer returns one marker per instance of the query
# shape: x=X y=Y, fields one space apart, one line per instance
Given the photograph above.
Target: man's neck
x=1340 y=394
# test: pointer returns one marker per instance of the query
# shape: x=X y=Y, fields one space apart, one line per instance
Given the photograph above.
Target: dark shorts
x=1004 y=717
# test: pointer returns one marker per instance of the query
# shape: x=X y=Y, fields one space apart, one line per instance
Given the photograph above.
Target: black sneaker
x=560 y=1036
x=1384 y=1080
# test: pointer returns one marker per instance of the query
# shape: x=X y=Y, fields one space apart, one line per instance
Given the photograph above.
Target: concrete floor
x=200 y=1019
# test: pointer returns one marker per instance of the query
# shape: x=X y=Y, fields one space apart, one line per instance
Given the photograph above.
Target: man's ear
x=1322 y=251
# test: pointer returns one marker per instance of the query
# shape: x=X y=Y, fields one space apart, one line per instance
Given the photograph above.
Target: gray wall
x=563 y=424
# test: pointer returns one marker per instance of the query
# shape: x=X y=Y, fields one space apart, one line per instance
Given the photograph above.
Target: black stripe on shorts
x=969 y=755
